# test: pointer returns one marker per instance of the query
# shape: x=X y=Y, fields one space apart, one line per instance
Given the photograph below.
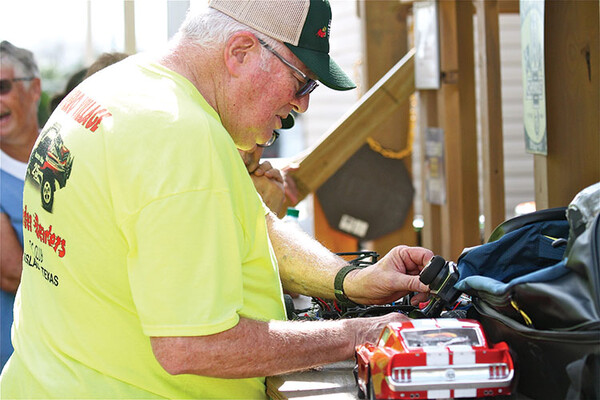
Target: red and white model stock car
x=433 y=359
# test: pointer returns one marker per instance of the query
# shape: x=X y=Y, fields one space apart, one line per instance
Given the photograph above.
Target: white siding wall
x=326 y=105
x=518 y=165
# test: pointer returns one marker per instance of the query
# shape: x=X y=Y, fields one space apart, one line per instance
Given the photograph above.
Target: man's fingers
x=413 y=284
x=419 y=298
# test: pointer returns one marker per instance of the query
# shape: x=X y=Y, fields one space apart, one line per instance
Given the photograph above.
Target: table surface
x=333 y=381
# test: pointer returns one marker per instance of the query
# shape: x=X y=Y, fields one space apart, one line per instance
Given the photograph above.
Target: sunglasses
x=308 y=84
x=270 y=141
x=6 y=85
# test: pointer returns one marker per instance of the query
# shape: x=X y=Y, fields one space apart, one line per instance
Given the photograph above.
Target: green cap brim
x=321 y=64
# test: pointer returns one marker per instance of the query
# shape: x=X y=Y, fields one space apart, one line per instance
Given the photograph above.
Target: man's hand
x=393 y=277
x=291 y=190
x=370 y=328
x=269 y=184
x=255 y=348
x=11 y=256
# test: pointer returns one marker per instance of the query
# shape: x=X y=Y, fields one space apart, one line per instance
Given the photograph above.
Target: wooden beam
x=490 y=97
x=460 y=222
x=351 y=132
x=572 y=102
x=129 y=16
x=504 y=6
x=431 y=234
x=386 y=35
x=508 y=6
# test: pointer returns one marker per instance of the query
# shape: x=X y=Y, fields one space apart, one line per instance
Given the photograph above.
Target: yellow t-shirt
x=140 y=220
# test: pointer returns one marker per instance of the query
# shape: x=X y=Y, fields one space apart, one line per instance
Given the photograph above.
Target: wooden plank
x=504 y=6
x=386 y=34
x=540 y=181
x=490 y=97
x=431 y=234
x=572 y=102
x=460 y=225
x=350 y=133
x=129 y=20
x=508 y=6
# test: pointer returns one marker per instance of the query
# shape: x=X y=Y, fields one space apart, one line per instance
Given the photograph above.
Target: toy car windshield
x=445 y=337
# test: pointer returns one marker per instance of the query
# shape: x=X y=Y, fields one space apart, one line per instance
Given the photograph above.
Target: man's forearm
x=305 y=266
x=255 y=348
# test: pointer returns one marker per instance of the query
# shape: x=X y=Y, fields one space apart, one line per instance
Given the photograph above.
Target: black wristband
x=338 y=285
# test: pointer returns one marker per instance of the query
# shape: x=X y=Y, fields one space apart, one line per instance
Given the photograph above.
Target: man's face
x=267 y=96
x=18 y=107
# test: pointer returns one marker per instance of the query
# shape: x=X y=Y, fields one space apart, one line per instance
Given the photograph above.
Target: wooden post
x=490 y=89
x=431 y=234
x=386 y=35
x=129 y=15
x=572 y=59
x=460 y=226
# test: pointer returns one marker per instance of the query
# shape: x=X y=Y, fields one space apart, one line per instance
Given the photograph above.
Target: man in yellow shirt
x=152 y=269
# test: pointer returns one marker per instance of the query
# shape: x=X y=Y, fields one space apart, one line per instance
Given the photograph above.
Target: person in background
x=163 y=272
x=73 y=81
x=103 y=61
x=20 y=91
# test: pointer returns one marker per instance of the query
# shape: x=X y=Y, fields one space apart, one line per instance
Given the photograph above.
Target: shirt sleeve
x=184 y=281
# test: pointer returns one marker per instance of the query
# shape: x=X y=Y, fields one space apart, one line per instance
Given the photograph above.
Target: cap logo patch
x=322 y=32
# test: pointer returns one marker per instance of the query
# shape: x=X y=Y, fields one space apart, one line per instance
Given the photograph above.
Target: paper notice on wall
x=427 y=53
x=534 y=82
x=435 y=176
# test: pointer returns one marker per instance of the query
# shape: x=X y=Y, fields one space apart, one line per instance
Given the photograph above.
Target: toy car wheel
x=47 y=192
x=360 y=394
x=432 y=269
x=371 y=390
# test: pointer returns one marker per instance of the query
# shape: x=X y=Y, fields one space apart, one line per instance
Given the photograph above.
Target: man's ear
x=240 y=51
x=35 y=88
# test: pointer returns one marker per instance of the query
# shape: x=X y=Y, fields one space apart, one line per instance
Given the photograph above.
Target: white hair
x=210 y=29
x=22 y=61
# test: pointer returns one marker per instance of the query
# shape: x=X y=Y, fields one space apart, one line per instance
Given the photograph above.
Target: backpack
x=536 y=286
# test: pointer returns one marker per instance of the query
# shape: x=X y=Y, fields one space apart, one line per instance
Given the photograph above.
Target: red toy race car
x=432 y=359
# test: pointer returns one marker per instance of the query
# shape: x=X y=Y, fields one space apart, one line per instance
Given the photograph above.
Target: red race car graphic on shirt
x=431 y=359
x=50 y=165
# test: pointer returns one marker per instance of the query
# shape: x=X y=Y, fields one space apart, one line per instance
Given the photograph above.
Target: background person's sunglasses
x=6 y=85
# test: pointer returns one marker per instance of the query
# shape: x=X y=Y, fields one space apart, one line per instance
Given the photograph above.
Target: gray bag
x=541 y=295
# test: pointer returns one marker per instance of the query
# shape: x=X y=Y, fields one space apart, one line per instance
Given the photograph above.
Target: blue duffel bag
x=536 y=286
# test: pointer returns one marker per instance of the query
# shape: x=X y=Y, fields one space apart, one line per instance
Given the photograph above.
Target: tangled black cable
x=331 y=309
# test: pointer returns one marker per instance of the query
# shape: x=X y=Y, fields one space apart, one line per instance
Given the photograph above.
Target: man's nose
x=301 y=104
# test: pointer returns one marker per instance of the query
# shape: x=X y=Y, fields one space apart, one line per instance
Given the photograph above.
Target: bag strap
x=583 y=374
x=549 y=214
